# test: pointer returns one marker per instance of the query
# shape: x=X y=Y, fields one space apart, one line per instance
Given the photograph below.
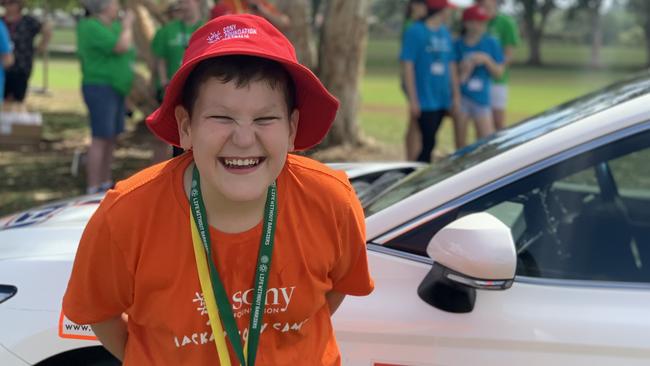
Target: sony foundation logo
x=230 y=32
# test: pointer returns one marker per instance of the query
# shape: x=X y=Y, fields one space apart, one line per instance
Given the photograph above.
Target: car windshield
x=510 y=138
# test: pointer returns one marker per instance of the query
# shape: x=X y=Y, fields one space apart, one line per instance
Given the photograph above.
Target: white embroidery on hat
x=230 y=32
x=214 y=37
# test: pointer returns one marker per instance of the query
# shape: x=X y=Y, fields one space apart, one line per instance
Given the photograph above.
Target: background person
x=416 y=10
x=6 y=54
x=23 y=29
x=168 y=46
x=107 y=57
x=480 y=59
x=430 y=73
x=504 y=28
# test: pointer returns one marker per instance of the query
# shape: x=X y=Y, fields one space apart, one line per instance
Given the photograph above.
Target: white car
x=530 y=247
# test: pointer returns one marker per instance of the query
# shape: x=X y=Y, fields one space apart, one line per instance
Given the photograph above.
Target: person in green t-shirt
x=168 y=46
x=105 y=49
x=170 y=41
x=504 y=28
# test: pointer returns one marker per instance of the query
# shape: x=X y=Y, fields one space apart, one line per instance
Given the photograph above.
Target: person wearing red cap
x=236 y=252
x=480 y=59
x=430 y=76
x=504 y=28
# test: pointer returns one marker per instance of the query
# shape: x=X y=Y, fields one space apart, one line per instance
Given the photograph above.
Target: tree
x=535 y=15
x=342 y=62
x=641 y=10
x=593 y=9
x=300 y=32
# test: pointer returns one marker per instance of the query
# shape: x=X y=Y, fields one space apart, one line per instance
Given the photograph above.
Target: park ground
x=40 y=173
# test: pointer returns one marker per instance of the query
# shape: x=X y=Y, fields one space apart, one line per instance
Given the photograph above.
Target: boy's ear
x=293 y=128
x=184 y=127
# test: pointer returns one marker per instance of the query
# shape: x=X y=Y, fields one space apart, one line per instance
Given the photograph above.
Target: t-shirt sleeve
x=34 y=26
x=496 y=51
x=101 y=285
x=157 y=44
x=101 y=38
x=5 y=43
x=511 y=33
x=409 y=49
x=351 y=274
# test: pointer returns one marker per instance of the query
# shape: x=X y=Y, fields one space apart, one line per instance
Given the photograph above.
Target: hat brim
x=317 y=107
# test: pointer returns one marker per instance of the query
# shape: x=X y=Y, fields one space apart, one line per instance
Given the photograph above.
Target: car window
x=572 y=220
x=510 y=138
x=632 y=174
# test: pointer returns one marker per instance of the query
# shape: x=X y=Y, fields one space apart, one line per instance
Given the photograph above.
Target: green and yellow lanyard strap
x=216 y=298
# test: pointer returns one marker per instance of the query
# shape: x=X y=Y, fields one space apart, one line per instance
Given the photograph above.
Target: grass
x=36 y=174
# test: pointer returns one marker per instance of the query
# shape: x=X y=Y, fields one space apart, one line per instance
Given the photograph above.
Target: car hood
x=51 y=229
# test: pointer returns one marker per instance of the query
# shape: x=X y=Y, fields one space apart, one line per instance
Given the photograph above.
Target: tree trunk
x=300 y=32
x=596 y=35
x=533 y=11
x=142 y=94
x=341 y=64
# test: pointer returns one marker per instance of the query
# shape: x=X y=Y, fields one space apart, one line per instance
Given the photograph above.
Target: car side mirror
x=473 y=252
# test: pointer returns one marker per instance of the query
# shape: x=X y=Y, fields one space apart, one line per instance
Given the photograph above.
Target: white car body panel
x=518 y=326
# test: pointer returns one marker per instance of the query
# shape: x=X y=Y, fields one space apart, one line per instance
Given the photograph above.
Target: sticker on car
x=71 y=330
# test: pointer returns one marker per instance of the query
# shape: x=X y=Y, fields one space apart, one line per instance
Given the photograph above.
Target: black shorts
x=16 y=85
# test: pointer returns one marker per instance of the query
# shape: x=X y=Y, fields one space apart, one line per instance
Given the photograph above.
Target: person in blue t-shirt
x=6 y=55
x=480 y=59
x=430 y=75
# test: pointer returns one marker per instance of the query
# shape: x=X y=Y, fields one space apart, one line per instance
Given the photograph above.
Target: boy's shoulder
x=145 y=186
x=317 y=174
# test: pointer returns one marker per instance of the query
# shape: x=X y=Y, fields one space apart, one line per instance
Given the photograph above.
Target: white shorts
x=498 y=96
x=474 y=110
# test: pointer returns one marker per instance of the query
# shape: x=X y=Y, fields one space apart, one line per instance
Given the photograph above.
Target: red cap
x=475 y=13
x=438 y=4
x=246 y=34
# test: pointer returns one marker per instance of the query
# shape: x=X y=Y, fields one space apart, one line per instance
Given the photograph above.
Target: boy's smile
x=240 y=137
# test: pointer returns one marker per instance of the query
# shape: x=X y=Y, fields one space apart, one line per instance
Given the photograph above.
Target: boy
x=236 y=243
x=430 y=76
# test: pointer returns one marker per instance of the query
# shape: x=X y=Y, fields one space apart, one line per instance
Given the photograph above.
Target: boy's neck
x=226 y=215
x=472 y=39
x=433 y=22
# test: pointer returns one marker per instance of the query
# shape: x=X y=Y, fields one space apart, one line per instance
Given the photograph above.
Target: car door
x=582 y=292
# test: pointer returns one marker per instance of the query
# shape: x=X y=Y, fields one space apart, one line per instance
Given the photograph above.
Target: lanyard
x=197 y=209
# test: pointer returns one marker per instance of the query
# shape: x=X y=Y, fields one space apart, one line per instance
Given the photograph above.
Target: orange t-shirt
x=136 y=256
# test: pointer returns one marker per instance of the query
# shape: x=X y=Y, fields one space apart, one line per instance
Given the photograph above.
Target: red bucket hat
x=475 y=13
x=250 y=35
x=438 y=4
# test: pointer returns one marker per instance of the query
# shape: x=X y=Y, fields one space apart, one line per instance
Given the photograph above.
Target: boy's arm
x=7 y=59
x=334 y=299
x=455 y=87
x=411 y=91
x=126 y=37
x=495 y=69
x=113 y=334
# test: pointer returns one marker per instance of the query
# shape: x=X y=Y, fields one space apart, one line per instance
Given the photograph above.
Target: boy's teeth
x=241 y=162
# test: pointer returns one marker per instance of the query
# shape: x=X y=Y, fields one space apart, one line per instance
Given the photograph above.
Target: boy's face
x=475 y=26
x=240 y=137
